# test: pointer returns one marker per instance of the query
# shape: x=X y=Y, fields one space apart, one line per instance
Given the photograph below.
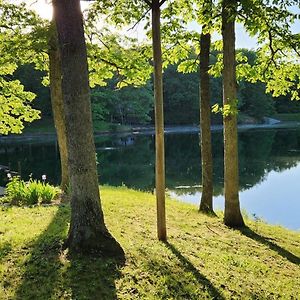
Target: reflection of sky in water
x=275 y=200
x=130 y=160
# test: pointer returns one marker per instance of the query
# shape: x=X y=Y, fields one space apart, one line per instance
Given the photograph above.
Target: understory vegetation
x=32 y=192
x=203 y=259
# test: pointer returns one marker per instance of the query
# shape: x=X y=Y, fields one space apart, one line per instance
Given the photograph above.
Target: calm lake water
x=269 y=167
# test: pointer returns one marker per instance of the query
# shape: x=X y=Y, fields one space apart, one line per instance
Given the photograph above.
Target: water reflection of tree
x=132 y=163
x=32 y=158
x=285 y=151
x=254 y=152
x=129 y=160
x=260 y=151
x=183 y=165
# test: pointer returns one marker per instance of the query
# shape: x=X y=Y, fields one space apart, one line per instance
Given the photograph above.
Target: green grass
x=287 y=117
x=203 y=259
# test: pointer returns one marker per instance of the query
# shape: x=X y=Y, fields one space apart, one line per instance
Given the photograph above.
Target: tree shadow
x=93 y=278
x=52 y=274
x=189 y=267
x=267 y=242
x=5 y=249
x=42 y=268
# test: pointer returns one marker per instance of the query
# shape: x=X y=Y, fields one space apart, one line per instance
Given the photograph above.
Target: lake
x=269 y=167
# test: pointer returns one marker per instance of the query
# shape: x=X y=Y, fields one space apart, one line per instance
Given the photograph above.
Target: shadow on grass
x=93 y=278
x=5 y=249
x=265 y=241
x=42 y=268
x=213 y=292
x=51 y=274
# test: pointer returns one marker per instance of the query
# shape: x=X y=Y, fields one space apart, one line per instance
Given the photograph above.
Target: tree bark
x=232 y=214
x=206 y=203
x=57 y=105
x=87 y=233
x=159 y=123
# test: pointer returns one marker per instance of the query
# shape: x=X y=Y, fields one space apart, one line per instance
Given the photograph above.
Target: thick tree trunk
x=57 y=105
x=232 y=215
x=87 y=233
x=159 y=123
x=206 y=204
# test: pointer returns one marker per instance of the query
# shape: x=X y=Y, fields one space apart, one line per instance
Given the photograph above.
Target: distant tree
x=181 y=93
x=254 y=101
x=128 y=105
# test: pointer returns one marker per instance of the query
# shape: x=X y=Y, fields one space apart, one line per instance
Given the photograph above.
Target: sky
x=44 y=9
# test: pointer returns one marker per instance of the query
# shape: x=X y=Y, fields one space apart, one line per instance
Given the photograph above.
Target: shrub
x=48 y=193
x=19 y=192
x=32 y=192
x=15 y=190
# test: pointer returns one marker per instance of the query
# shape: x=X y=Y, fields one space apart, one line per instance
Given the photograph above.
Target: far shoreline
x=150 y=130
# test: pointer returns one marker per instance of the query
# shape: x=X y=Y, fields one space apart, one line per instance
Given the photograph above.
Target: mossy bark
x=57 y=105
x=232 y=214
x=87 y=233
x=159 y=123
x=206 y=203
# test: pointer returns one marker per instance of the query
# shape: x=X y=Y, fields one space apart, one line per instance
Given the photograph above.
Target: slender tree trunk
x=57 y=105
x=206 y=204
x=159 y=123
x=232 y=216
x=87 y=233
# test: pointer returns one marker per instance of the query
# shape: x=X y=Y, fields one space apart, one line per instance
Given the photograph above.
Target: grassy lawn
x=203 y=259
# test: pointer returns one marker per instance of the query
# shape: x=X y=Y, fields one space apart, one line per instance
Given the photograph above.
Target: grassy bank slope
x=203 y=259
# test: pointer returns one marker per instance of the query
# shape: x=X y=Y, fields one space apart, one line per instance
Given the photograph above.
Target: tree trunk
x=159 y=123
x=206 y=204
x=57 y=105
x=232 y=215
x=87 y=233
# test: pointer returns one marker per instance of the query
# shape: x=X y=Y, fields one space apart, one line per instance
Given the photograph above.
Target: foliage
x=26 y=45
x=181 y=97
x=278 y=58
x=129 y=105
x=19 y=192
x=15 y=102
x=15 y=108
x=260 y=262
x=32 y=79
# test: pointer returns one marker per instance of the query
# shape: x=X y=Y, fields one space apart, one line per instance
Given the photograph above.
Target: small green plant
x=32 y=192
x=15 y=190
x=19 y=192
x=48 y=193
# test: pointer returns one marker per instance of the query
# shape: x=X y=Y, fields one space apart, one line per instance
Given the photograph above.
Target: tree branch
x=148 y=2
x=141 y=18
x=162 y=2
